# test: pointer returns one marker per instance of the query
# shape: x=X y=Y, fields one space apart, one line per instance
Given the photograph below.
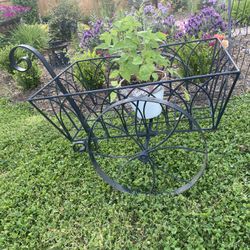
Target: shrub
x=32 y=15
x=4 y=39
x=4 y=58
x=35 y=35
x=126 y=39
x=196 y=59
x=87 y=73
x=29 y=79
x=63 y=20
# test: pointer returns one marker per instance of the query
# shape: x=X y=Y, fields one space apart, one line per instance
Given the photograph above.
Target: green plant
x=87 y=73
x=29 y=79
x=35 y=35
x=241 y=11
x=32 y=15
x=195 y=59
x=4 y=39
x=63 y=20
x=4 y=58
x=52 y=199
x=126 y=39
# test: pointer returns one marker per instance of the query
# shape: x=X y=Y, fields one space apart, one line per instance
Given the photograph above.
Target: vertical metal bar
x=230 y=24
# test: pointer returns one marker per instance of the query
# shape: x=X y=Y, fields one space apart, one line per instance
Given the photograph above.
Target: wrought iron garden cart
x=131 y=149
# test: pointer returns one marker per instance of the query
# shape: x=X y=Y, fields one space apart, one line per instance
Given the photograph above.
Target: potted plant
x=139 y=59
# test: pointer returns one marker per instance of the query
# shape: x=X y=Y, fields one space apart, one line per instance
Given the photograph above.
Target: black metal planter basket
x=138 y=136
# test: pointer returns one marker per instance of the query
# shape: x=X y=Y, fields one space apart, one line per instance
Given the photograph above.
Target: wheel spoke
x=177 y=147
x=155 y=166
x=126 y=163
x=168 y=136
x=112 y=156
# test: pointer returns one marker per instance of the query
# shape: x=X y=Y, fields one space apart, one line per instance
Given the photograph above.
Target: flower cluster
x=10 y=12
x=157 y=19
x=207 y=21
x=91 y=35
x=221 y=37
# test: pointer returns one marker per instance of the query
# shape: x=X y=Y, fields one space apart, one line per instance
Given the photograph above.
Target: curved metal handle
x=14 y=64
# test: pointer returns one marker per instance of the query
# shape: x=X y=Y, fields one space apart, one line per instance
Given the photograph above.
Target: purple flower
x=206 y=36
x=179 y=35
x=223 y=7
x=210 y=2
x=163 y=8
x=208 y=20
x=213 y=2
x=181 y=25
x=90 y=37
x=149 y=9
x=169 y=21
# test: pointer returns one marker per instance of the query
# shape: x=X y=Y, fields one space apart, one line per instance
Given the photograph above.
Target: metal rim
x=144 y=157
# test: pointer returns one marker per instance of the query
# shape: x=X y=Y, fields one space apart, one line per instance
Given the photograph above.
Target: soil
x=10 y=89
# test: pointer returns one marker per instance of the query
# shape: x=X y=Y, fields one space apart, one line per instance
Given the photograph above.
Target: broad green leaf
x=186 y=94
x=114 y=74
x=113 y=96
x=137 y=60
x=161 y=35
x=146 y=71
x=102 y=46
x=106 y=37
x=115 y=83
x=155 y=76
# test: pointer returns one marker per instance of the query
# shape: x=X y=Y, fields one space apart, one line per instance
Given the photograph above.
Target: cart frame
x=95 y=122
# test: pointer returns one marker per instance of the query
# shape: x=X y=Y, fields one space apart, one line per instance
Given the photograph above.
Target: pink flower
x=9 y=12
x=180 y=25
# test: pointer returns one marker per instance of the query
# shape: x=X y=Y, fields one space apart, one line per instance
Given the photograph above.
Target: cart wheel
x=155 y=155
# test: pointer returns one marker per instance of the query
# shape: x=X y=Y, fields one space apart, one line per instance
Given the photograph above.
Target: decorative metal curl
x=15 y=63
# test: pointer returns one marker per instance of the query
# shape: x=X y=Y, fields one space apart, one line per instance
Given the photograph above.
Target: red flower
x=219 y=36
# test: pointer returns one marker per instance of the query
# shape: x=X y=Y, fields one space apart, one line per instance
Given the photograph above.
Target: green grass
x=51 y=198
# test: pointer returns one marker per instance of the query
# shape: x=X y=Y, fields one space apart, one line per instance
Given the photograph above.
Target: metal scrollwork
x=15 y=64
